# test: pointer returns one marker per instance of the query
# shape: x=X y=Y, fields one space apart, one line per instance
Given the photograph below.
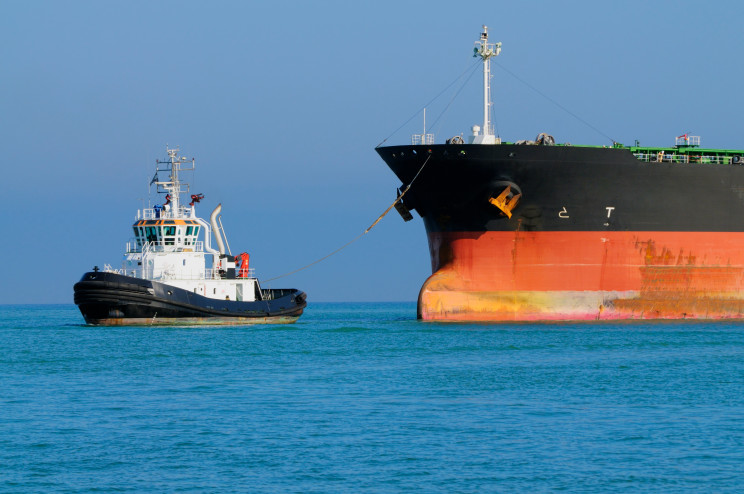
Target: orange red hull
x=583 y=275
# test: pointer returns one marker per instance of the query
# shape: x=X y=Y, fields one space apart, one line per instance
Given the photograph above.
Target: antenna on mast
x=172 y=186
x=485 y=51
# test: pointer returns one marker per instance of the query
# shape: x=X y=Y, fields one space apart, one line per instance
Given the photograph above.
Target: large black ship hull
x=111 y=299
x=595 y=233
x=566 y=188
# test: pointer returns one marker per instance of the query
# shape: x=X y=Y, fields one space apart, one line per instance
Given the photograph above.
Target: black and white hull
x=110 y=299
x=170 y=273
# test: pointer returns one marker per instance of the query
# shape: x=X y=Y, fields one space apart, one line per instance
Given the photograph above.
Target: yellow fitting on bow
x=504 y=203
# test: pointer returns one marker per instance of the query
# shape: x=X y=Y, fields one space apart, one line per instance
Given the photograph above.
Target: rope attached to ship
x=396 y=201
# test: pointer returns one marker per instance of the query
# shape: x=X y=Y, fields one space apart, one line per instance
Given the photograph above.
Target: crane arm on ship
x=243 y=258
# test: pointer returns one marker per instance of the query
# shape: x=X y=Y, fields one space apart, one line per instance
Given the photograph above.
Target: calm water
x=364 y=398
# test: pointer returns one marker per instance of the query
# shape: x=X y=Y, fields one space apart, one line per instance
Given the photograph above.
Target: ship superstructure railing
x=208 y=274
x=687 y=140
x=173 y=274
x=160 y=214
x=134 y=246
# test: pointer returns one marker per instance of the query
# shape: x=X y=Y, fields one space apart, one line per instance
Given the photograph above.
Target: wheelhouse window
x=169 y=235
x=151 y=234
x=137 y=236
x=192 y=233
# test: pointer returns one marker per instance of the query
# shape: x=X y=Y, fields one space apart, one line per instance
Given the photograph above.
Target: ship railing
x=687 y=140
x=251 y=273
x=154 y=214
x=419 y=139
x=663 y=157
x=108 y=269
x=207 y=274
x=134 y=273
x=173 y=273
x=274 y=293
x=134 y=246
x=214 y=274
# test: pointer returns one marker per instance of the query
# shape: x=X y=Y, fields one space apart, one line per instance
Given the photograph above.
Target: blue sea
x=365 y=398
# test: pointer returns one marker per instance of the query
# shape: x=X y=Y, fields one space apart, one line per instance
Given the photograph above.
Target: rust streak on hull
x=544 y=276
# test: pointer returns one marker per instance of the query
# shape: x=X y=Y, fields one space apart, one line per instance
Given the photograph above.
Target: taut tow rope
x=396 y=201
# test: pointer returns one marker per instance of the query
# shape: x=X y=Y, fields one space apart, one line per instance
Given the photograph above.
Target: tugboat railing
x=207 y=274
x=107 y=268
x=172 y=274
x=134 y=246
x=159 y=214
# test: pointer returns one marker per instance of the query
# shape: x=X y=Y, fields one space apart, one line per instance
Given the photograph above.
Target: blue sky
x=282 y=104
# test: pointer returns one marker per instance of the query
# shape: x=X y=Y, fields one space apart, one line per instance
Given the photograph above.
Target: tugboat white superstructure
x=170 y=276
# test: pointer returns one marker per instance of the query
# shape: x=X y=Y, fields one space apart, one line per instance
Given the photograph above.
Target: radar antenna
x=173 y=186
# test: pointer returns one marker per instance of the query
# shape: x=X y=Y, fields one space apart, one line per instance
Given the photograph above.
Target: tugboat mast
x=173 y=186
x=485 y=51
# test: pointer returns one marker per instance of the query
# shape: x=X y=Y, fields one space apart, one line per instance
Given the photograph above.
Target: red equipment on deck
x=243 y=258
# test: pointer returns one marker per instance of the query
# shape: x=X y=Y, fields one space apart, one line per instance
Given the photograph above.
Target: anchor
x=505 y=203
x=402 y=208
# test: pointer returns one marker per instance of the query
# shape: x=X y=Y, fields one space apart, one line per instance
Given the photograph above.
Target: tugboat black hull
x=110 y=299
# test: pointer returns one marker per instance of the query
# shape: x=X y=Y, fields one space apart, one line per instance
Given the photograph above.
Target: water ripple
x=364 y=398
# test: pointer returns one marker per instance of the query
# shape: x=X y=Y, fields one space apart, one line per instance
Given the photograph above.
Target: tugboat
x=169 y=276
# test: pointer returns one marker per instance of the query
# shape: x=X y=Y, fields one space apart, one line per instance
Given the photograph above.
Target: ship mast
x=485 y=51
x=173 y=186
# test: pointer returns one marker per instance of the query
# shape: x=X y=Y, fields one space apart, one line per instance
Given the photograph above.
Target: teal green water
x=364 y=398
